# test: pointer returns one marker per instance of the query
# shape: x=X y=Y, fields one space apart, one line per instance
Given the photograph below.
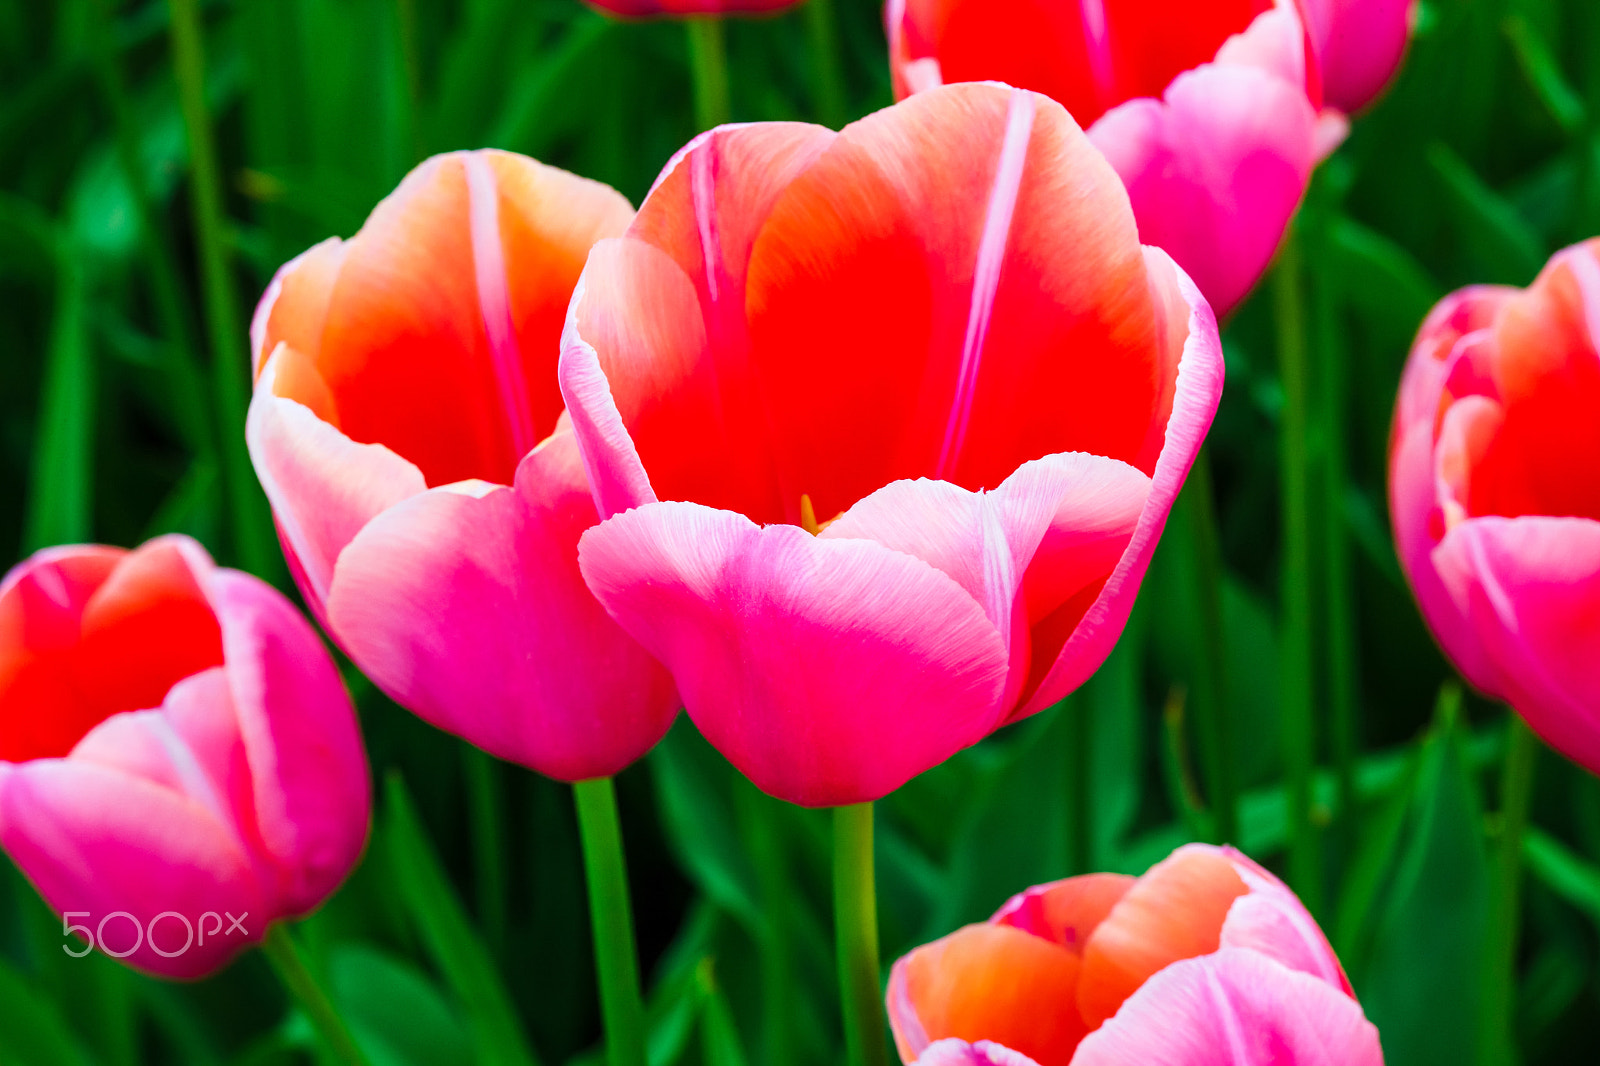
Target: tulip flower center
x=1525 y=440
x=1090 y=55
x=99 y=651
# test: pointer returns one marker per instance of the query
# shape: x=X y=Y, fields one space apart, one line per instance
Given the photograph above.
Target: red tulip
x=176 y=746
x=805 y=323
x=1494 y=486
x=1208 y=111
x=408 y=430
x=1205 y=960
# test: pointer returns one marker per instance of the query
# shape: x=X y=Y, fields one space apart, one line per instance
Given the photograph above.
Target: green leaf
x=394 y=1011
x=60 y=497
x=35 y=1030
x=1539 y=65
x=1562 y=871
x=1420 y=979
x=693 y=786
x=451 y=940
x=1500 y=245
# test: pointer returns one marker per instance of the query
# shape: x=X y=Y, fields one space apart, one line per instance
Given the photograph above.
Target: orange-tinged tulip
x=409 y=432
x=1053 y=977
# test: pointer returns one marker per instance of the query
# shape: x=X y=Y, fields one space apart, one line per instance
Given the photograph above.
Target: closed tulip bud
x=179 y=761
x=1494 y=489
x=408 y=431
x=1205 y=960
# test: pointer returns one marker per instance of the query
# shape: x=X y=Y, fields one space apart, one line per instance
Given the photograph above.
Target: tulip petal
x=1021 y=244
x=1529 y=588
x=1234 y=1008
x=1272 y=920
x=988 y=982
x=1094 y=631
x=1360 y=44
x=1175 y=911
x=955 y=1052
x=98 y=840
x=1065 y=912
x=309 y=790
x=1215 y=170
x=323 y=486
x=465 y=604
x=829 y=671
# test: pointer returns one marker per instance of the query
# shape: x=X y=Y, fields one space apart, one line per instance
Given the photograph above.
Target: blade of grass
x=452 y=943
x=252 y=537
x=60 y=507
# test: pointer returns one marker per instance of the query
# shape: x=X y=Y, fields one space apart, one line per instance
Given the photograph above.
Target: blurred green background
x=463 y=936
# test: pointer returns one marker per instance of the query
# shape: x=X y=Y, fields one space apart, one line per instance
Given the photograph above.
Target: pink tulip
x=1208 y=111
x=936 y=326
x=408 y=430
x=1494 y=487
x=1360 y=44
x=179 y=762
x=1206 y=959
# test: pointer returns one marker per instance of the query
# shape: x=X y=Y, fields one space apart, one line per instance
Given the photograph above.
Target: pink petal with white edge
x=1272 y=920
x=323 y=486
x=1215 y=170
x=310 y=792
x=1234 y=1008
x=1529 y=588
x=100 y=840
x=465 y=604
x=829 y=671
x=953 y=1052
x=1199 y=389
x=1081 y=508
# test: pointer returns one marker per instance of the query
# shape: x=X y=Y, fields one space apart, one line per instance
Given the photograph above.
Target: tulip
x=1208 y=111
x=179 y=762
x=1494 y=489
x=964 y=357
x=1205 y=959
x=407 y=428
x=1359 y=45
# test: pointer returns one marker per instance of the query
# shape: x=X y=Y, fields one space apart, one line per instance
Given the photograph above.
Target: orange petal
x=988 y=982
x=1065 y=912
x=1175 y=911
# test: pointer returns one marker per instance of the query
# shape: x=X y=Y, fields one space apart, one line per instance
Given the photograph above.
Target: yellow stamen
x=808 y=515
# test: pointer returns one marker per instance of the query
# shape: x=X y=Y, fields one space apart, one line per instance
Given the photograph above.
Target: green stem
x=290 y=965
x=825 y=62
x=406 y=20
x=487 y=808
x=1339 y=620
x=708 y=62
x=1299 y=735
x=611 y=916
x=1516 y=795
x=229 y=360
x=855 y=921
x=759 y=820
x=1213 y=723
x=1080 y=831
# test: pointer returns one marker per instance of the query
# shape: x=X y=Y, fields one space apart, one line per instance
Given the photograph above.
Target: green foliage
x=1481 y=160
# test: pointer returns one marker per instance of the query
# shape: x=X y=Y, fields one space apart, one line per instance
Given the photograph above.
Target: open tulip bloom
x=408 y=431
x=179 y=762
x=937 y=332
x=1211 y=112
x=1205 y=960
x=1494 y=487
